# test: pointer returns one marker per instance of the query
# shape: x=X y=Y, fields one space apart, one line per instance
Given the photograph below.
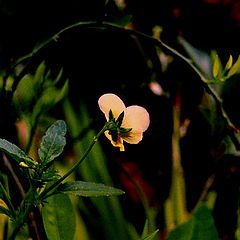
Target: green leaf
x=199 y=226
x=150 y=236
x=110 y=115
x=123 y=20
x=229 y=63
x=235 y=68
x=39 y=76
x=16 y=153
x=89 y=189
x=53 y=142
x=5 y=211
x=50 y=97
x=216 y=66
x=120 y=119
x=59 y=218
x=201 y=59
x=145 y=229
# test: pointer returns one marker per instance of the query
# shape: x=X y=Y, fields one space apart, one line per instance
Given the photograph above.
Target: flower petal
x=111 y=101
x=137 y=118
x=132 y=137
x=119 y=142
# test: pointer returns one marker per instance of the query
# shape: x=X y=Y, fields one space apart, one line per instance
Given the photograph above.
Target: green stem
x=7 y=200
x=158 y=42
x=59 y=181
x=25 y=209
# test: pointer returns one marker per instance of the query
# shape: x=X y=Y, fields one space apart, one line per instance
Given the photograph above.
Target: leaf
x=199 y=226
x=150 y=236
x=95 y=170
x=16 y=153
x=5 y=211
x=50 y=97
x=229 y=63
x=89 y=189
x=38 y=78
x=59 y=218
x=123 y=20
x=235 y=68
x=48 y=175
x=216 y=66
x=53 y=142
x=145 y=229
x=200 y=58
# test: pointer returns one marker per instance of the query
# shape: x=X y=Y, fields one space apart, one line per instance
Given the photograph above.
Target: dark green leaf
x=5 y=211
x=16 y=153
x=199 y=226
x=50 y=97
x=53 y=142
x=110 y=115
x=59 y=218
x=88 y=189
x=125 y=130
x=123 y=20
x=120 y=119
x=48 y=175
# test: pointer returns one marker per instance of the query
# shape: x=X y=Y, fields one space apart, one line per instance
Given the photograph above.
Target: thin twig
x=158 y=42
x=15 y=177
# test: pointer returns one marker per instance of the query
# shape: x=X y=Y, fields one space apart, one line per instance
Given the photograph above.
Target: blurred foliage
x=57 y=59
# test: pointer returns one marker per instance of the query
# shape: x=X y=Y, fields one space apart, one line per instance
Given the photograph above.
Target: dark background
x=106 y=61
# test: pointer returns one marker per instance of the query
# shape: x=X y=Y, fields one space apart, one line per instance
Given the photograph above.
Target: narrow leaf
x=49 y=98
x=59 y=218
x=229 y=63
x=216 y=66
x=145 y=229
x=89 y=189
x=5 y=211
x=150 y=236
x=235 y=68
x=16 y=153
x=120 y=119
x=53 y=142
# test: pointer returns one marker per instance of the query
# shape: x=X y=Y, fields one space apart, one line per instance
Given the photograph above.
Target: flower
x=126 y=124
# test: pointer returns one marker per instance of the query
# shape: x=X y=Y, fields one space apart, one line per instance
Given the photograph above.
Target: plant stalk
x=59 y=181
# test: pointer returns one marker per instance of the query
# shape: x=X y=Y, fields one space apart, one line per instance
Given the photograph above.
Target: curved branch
x=158 y=42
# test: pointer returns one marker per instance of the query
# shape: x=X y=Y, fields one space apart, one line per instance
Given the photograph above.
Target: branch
x=153 y=40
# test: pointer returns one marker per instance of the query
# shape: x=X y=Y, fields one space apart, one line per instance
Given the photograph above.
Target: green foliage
x=150 y=236
x=53 y=142
x=5 y=211
x=59 y=221
x=16 y=153
x=199 y=226
x=88 y=189
x=145 y=234
x=59 y=218
x=217 y=67
x=95 y=169
x=37 y=93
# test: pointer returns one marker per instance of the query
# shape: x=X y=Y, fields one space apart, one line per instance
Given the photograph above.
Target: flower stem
x=59 y=181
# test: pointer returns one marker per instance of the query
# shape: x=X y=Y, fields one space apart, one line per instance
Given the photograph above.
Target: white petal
x=137 y=118
x=132 y=137
x=111 y=101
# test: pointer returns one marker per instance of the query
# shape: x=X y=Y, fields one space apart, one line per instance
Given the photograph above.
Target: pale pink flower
x=135 y=120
